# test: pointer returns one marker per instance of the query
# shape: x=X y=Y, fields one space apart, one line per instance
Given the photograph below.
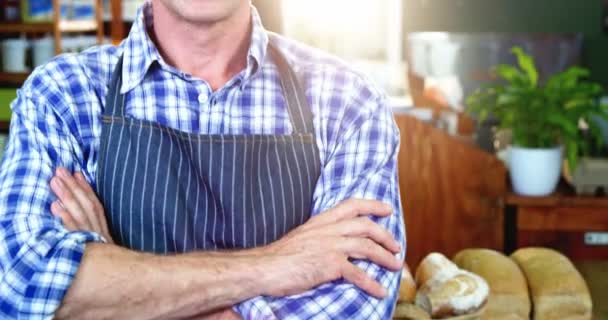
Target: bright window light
x=339 y=25
x=366 y=33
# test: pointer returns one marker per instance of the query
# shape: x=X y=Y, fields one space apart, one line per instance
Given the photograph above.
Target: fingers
x=367 y=249
x=98 y=207
x=79 y=202
x=352 y=208
x=365 y=227
x=59 y=211
x=84 y=199
x=83 y=183
x=357 y=277
x=70 y=202
x=355 y=207
x=361 y=227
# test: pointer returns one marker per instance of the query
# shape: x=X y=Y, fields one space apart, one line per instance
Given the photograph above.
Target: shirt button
x=202 y=98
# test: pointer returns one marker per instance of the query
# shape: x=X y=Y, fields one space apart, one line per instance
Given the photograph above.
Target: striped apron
x=168 y=191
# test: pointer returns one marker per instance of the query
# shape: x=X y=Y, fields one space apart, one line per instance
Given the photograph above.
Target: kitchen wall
x=517 y=16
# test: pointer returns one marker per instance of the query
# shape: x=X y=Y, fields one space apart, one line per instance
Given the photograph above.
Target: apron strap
x=113 y=107
x=297 y=105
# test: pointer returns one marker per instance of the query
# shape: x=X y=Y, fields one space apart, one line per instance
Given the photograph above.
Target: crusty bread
x=471 y=316
x=558 y=290
x=462 y=294
x=435 y=267
x=407 y=290
x=509 y=299
x=447 y=291
x=408 y=311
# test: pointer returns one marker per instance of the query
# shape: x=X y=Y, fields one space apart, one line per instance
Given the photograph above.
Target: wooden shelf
x=77 y=25
x=16 y=27
x=4 y=126
x=59 y=25
x=559 y=221
x=566 y=219
x=561 y=198
x=44 y=27
x=13 y=78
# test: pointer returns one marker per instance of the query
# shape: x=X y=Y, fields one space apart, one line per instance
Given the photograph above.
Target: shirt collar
x=258 y=46
x=140 y=52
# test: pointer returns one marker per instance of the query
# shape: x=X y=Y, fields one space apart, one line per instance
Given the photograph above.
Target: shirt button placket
x=206 y=117
x=203 y=98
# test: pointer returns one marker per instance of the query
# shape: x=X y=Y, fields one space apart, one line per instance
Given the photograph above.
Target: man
x=228 y=165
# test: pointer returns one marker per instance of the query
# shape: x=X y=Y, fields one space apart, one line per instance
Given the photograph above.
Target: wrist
x=262 y=270
x=243 y=269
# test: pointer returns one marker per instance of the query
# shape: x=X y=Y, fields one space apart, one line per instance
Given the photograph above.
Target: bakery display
x=534 y=283
x=557 y=289
x=409 y=311
x=407 y=290
x=447 y=291
x=406 y=309
x=509 y=299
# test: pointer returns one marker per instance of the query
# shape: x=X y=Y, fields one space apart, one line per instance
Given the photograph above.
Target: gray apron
x=167 y=191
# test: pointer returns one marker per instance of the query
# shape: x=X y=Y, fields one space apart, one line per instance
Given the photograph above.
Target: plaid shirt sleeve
x=38 y=257
x=362 y=165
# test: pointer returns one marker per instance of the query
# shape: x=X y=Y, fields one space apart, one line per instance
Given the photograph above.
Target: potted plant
x=546 y=120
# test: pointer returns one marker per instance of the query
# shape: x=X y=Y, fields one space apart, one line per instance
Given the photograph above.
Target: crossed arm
x=336 y=265
x=117 y=283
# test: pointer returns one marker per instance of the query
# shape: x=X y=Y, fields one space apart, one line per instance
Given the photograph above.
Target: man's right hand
x=315 y=253
x=320 y=250
x=77 y=204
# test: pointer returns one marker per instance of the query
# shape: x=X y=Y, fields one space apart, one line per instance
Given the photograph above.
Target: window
x=365 y=33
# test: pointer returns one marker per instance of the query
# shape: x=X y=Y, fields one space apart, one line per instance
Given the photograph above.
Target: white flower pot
x=535 y=172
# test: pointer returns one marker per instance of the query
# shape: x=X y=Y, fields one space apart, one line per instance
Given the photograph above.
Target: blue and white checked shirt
x=57 y=122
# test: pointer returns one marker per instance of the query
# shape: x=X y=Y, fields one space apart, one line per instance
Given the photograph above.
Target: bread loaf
x=409 y=311
x=558 y=290
x=435 y=267
x=509 y=299
x=407 y=290
x=447 y=291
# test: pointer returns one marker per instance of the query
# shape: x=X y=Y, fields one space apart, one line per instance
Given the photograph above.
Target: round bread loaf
x=435 y=267
x=463 y=294
x=407 y=290
x=408 y=311
x=509 y=299
x=447 y=291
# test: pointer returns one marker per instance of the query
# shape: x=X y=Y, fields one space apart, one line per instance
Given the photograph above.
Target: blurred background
x=429 y=56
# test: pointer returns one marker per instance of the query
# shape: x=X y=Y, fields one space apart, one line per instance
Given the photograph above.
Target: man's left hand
x=78 y=205
x=80 y=210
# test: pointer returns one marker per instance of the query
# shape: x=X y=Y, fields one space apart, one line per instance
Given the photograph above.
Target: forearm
x=115 y=283
x=343 y=297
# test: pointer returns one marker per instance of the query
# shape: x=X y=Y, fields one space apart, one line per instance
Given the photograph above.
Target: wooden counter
x=451 y=192
x=558 y=221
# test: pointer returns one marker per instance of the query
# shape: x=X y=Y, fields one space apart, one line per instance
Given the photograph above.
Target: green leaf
x=483 y=115
x=567 y=79
x=577 y=102
x=505 y=99
x=565 y=124
x=511 y=74
x=526 y=63
x=541 y=115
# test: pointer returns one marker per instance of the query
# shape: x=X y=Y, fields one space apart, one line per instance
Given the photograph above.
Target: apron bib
x=168 y=191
